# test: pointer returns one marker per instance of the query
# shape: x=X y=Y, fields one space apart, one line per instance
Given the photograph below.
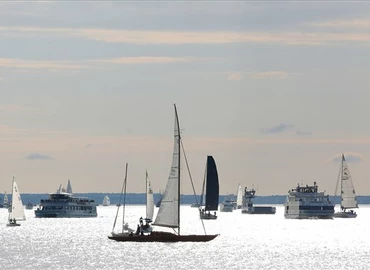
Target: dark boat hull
x=163 y=237
x=207 y=216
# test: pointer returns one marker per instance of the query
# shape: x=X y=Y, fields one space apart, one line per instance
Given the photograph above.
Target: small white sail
x=239 y=197
x=168 y=215
x=106 y=201
x=17 y=212
x=149 y=199
x=348 y=194
x=6 y=201
x=69 y=187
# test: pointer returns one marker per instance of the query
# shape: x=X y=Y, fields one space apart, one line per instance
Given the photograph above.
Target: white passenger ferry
x=306 y=202
x=63 y=204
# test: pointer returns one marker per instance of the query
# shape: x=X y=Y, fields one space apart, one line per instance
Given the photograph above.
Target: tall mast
x=341 y=181
x=178 y=166
x=146 y=192
x=124 y=200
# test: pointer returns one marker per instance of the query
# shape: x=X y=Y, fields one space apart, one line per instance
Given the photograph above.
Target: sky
x=275 y=91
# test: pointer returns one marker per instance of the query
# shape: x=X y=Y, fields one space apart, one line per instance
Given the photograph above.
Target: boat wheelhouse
x=306 y=202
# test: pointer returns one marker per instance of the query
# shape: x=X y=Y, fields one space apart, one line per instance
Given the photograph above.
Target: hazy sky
x=275 y=91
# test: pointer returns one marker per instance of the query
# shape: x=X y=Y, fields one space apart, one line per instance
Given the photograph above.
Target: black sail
x=212 y=188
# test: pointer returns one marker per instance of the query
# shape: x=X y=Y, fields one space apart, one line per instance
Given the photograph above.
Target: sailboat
x=348 y=194
x=17 y=211
x=146 y=228
x=106 y=201
x=126 y=230
x=239 y=197
x=169 y=211
x=211 y=188
x=149 y=200
x=5 y=201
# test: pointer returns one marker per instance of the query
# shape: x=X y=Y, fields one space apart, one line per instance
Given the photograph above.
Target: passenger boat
x=307 y=203
x=63 y=204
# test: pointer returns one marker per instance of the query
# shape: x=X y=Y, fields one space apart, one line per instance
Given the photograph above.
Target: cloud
x=28 y=65
x=303 y=133
x=190 y=37
x=349 y=156
x=7 y=130
x=277 y=129
x=269 y=75
x=146 y=60
x=37 y=156
x=237 y=76
x=15 y=108
x=36 y=64
x=353 y=23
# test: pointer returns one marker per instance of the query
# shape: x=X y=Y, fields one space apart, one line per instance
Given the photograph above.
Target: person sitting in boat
x=141 y=220
x=137 y=230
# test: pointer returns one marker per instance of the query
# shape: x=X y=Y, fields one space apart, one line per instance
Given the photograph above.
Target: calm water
x=245 y=242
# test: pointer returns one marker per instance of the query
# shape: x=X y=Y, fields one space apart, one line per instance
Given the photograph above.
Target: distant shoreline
x=139 y=198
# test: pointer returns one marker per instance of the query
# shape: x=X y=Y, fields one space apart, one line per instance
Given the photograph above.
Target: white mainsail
x=348 y=194
x=17 y=212
x=168 y=213
x=149 y=199
x=239 y=197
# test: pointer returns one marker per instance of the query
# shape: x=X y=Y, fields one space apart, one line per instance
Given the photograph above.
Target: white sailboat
x=17 y=211
x=149 y=200
x=126 y=230
x=146 y=228
x=69 y=187
x=239 y=197
x=169 y=211
x=347 y=193
x=6 y=200
x=106 y=201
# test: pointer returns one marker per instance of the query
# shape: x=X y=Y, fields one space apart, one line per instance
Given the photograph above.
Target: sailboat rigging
x=347 y=192
x=126 y=230
x=169 y=211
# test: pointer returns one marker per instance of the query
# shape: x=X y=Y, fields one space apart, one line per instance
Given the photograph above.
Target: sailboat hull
x=163 y=237
x=207 y=216
x=13 y=225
